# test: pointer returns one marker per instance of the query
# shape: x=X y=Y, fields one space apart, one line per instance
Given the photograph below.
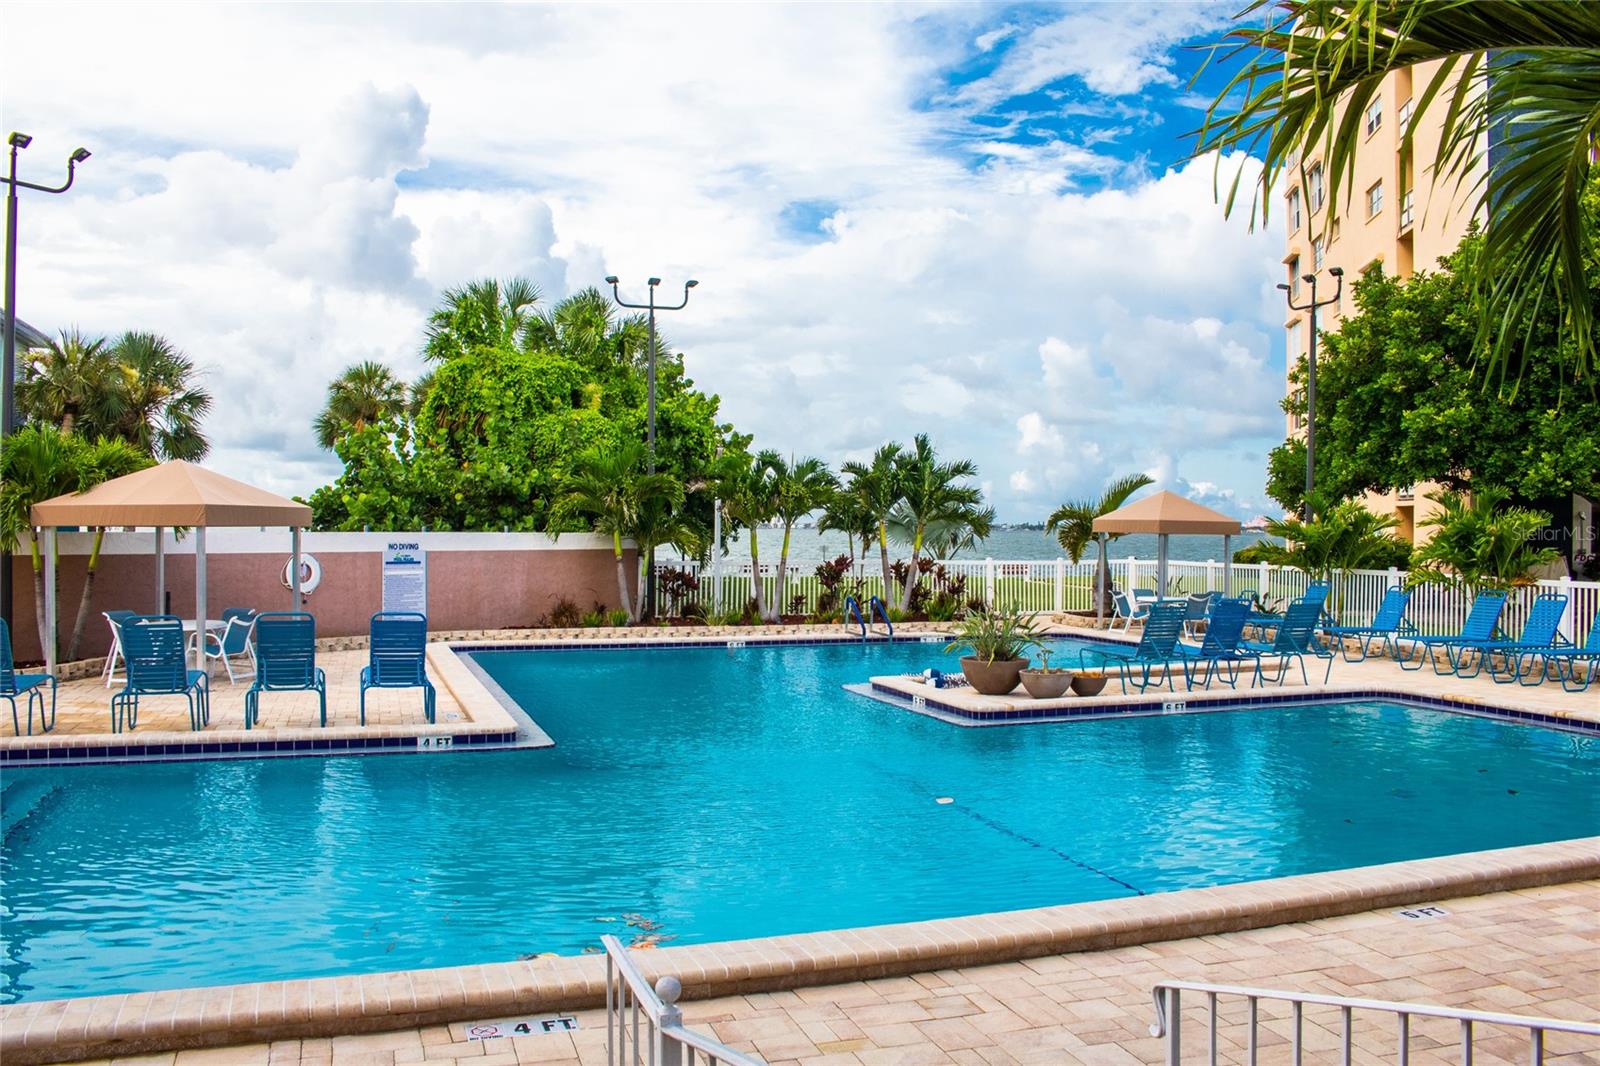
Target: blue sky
x=972 y=220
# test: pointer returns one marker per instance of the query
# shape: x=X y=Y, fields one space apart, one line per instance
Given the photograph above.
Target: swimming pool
x=709 y=794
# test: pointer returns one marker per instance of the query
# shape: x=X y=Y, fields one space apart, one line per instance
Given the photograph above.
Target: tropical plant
x=749 y=496
x=73 y=380
x=874 y=488
x=365 y=394
x=1526 y=72
x=1341 y=537
x=799 y=486
x=661 y=523
x=932 y=496
x=37 y=463
x=996 y=635
x=844 y=512
x=1073 y=522
x=161 y=404
x=609 y=487
x=1479 y=542
x=481 y=314
x=586 y=328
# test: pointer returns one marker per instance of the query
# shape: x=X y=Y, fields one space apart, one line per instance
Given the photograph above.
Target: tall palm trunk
x=883 y=561
x=622 y=577
x=757 y=586
x=783 y=569
x=87 y=598
x=38 y=591
x=913 y=572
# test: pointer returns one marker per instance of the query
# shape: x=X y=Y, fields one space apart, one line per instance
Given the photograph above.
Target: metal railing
x=644 y=1026
x=1168 y=1004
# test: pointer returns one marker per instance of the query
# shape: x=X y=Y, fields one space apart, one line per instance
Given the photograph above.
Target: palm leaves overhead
x=74 y=380
x=586 y=328
x=1311 y=67
x=162 y=406
x=484 y=313
x=364 y=395
x=1073 y=521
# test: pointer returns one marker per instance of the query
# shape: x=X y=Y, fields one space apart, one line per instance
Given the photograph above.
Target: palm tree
x=876 y=485
x=584 y=328
x=91 y=464
x=799 y=487
x=484 y=313
x=161 y=405
x=1314 y=65
x=365 y=394
x=749 y=496
x=931 y=497
x=844 y=512
x=74 y=379
x=1480 y=543
x=609 y=487
x=1073 y=522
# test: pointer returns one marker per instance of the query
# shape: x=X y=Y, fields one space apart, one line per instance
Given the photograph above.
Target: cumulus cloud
x=302 y=211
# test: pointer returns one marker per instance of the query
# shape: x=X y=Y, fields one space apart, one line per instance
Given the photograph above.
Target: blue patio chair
x=1126 y=611
x=1162 y=628
x=286 y=661
x=1198 y=609
x=115 y=620
x=1221 y=646
x=398 y=657
x=238 y=624
x=1295 y=638
x=1477 y=629
x=13 y=684
x=1316 y=592
x=155 y=652
x=1566 y=658
x=1387 y=625
x=1541 y=630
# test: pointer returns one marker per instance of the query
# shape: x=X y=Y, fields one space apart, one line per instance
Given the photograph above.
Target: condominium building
x=1391 y=213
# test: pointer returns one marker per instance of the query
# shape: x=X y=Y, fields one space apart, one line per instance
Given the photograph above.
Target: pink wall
x=468 y=589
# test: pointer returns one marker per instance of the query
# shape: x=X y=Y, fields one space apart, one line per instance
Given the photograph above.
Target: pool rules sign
x=405 y=577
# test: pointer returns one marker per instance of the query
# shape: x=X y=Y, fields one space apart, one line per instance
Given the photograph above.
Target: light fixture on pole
x=650 y=402
x=1337 y=273
x=8 y=373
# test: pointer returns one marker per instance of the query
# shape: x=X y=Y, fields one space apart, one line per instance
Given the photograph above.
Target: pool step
x=21 y=797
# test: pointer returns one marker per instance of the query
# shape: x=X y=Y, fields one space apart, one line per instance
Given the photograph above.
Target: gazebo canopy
x=175 y=493
x=1166 y=512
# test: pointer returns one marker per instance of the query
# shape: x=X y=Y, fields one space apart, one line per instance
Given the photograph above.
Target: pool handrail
x=645 y=1024
x=877 y=606
x=852 y=606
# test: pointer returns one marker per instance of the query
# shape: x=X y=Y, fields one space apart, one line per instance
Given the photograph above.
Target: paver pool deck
x=1534 y=952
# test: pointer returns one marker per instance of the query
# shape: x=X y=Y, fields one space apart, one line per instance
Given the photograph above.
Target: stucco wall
x=475 y=580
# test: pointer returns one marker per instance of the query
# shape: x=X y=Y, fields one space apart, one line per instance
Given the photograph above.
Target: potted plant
x=1088 y=684
x=1047 y=682
x=999 y=642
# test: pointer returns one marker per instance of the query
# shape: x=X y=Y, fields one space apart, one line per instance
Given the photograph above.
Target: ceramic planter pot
x=1088 y=684
x=1043 y=685
x=992 y=679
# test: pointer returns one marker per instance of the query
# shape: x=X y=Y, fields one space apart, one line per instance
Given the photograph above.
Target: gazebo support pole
x=1161 y=566
x=1227 y=565
x=161 y=570
x=294 y=568
x=1100 y=585
x=200 y=597
x=50 y=600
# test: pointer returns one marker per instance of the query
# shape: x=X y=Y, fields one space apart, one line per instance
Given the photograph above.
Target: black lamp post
x=650 y=403
x=8 y=374
x=1313 y=307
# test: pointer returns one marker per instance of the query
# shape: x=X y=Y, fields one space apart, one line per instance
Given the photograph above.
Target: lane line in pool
x=1008 y=831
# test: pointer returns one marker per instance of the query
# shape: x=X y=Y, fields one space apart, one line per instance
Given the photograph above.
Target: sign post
x=405 y=577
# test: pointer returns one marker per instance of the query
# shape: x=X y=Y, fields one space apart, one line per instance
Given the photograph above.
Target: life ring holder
x=310 y=573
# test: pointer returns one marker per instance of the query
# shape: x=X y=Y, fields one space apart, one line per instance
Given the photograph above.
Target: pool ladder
x=875 y=607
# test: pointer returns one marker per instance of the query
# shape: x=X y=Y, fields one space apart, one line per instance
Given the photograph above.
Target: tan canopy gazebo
x=1166 y=513
x=176 y=494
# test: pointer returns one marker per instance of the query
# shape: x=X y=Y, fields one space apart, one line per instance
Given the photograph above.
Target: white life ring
x=310 y=573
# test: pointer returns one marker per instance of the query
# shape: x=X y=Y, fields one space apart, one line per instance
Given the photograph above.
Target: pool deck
x=1530 y=951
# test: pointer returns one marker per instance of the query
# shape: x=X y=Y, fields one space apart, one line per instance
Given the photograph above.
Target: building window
x=1403 y=117
x=1375 y=199
x=1316 y=254
x=1407 y=206
x=1294 y=210
x=1314 y=191
x=1374 y=116
x=1294 y=277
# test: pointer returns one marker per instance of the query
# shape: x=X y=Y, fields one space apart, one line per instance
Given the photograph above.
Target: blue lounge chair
x=1126 y=611
x=1477 y=629
x=1224 y=634
x=1541 y=630
x=398 y=657
x=1199 y=609
x=238 y=624
x=1387 y=624
x=154 y=651
x=1295 y=638
x=1157 y=647
x=1565 y=659
x=286 y=661
x=13 y=684
x=115 y=620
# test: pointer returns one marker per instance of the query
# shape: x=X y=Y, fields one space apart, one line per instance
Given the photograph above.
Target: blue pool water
x=721 y=794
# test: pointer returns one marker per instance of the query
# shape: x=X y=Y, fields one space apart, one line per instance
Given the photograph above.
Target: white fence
x=1057 y=585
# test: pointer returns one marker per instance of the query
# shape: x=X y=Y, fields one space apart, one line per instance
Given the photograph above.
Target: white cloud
x=284 y=209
